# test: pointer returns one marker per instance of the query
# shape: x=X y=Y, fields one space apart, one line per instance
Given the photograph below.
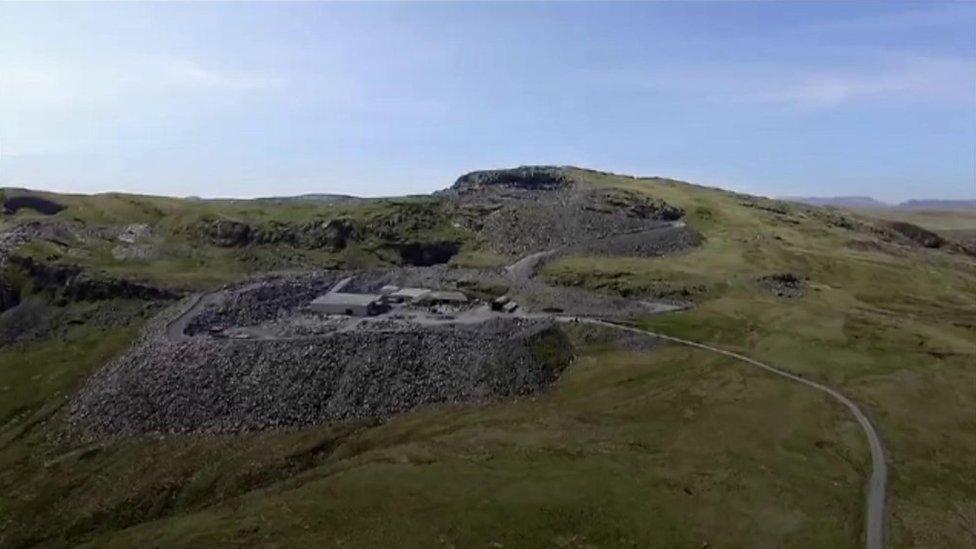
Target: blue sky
x=234 y=99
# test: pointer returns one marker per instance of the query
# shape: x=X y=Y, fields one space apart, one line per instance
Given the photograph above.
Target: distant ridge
x=840 y=201
x=938 y=204
x=868 y=202
x=313 y=197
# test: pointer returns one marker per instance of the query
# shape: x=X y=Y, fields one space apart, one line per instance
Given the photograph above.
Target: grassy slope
x=670 y=448
x=933 y=220
x=896 y=332
x=629 y=449
x=954 y=225
x=184 y=261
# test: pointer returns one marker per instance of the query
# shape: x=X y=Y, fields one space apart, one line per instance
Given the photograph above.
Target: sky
x=374 y=99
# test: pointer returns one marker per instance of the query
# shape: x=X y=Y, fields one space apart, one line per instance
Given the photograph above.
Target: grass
x=933 y=220
x=673 y=447
x=894 y=330
x=34 y=375
x=182 y=258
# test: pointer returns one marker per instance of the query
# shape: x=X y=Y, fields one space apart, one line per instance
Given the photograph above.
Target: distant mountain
x=866 y=202
x=840 y=201
x=938 y=204
x=314 y=197
x=318 y=197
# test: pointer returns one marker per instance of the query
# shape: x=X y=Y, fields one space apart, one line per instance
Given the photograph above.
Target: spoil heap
x=213 y=386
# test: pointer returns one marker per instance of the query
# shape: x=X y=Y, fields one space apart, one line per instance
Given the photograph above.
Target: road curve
x=176 y=328
x=876 y=488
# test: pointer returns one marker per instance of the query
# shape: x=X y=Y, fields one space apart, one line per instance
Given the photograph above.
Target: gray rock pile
x=643 y=244
x=789 y=285
x=214 y=386
x=261 y=301
x=539 y=208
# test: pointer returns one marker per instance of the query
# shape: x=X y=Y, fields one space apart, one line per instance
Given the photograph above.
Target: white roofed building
x=348 y=304
x=409 y=294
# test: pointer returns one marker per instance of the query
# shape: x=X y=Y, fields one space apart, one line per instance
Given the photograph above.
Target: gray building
x=437 y=296
x=408 y=294
x=348 y=304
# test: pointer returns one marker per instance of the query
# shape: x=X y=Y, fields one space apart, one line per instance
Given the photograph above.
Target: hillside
x=632 y=442
x=838 y=201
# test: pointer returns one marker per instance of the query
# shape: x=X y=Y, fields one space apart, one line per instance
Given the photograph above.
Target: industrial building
x=449 y=297
x=348 y=304
x=408 y=294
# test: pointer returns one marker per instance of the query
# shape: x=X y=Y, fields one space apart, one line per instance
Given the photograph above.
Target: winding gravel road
x=876 y=488
x=528 y=266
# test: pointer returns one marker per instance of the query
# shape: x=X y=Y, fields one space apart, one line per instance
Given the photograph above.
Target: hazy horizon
x=245 y=100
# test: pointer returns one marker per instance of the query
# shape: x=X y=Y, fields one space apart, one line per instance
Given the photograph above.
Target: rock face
x=531 y=209
x=72 y=283
x=9 y=296
x=536 y=178
x=228 y=233
x=207 y=385
x=36 y=203
x=332 y=235
x=425 y=254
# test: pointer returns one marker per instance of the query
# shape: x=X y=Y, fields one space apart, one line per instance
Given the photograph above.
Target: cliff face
x=72 y=283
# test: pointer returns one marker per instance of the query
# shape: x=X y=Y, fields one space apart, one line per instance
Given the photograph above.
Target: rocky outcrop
x=36 y=203
x=790 y=285
x=331 y=235
x=207 y=385
x=634 y=204
x=399 y=233
x=9 y=295
x=226 y=233
x=72 y=283
x=909 y=233
x=524 y=177
x=426 y=254
x=535 y=208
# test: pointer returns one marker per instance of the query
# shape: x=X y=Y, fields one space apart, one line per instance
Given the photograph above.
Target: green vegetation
x=182 y=252
x=669 y=448
x=40 y=374
x=896 y=331
x=933 y=220
x=629 y=449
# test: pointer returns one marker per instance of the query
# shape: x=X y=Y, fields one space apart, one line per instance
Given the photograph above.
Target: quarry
x=520 y=306
x=298 y=349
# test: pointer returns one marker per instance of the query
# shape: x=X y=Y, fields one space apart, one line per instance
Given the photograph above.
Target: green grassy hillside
x=182 y=251
x=893 y=326
x=665 y=447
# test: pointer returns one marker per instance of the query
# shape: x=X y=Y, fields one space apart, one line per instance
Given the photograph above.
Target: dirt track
x=876 y=488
